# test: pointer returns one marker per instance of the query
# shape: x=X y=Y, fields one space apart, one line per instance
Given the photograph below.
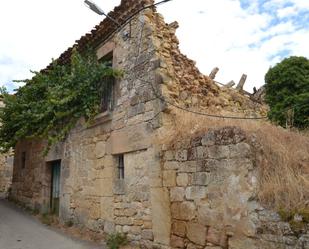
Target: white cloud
x=235 y=39
x=286 y=12
x=214 y=33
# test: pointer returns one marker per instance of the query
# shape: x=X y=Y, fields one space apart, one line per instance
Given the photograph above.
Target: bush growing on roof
x=49 y=105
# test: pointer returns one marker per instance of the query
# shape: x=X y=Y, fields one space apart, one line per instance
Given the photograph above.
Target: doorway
x=55 y=187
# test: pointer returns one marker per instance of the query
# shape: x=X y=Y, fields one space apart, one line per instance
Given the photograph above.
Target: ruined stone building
x=116 y=177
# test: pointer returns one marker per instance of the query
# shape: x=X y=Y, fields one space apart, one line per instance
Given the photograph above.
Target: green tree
x=287 y=92
x=49 y=105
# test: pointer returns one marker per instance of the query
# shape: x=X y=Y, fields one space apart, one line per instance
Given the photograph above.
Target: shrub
x=287 y=92
x=69 y=223
x=115 y=240
x=46 y=219
x=51 y=103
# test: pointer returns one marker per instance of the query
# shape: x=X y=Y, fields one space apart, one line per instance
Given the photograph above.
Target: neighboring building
x=6 y=171
x=113 y=176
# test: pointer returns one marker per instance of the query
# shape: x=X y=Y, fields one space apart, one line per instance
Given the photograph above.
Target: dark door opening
x=55 y=187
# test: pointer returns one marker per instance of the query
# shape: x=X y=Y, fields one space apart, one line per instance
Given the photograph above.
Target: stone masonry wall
x=6 y=172
x=158 y=203
x=212 y=181
x=31 y=184
x=91 y=193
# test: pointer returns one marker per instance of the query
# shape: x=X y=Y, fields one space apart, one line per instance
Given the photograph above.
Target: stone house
x=6 y=171
x=115 y=177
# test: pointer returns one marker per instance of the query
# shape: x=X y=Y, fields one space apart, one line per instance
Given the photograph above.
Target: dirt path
x=21 y=231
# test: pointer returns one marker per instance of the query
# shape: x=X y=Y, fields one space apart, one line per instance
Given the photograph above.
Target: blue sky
x=238 y=36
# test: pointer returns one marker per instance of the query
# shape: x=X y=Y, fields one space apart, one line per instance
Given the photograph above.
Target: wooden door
x=55 y=187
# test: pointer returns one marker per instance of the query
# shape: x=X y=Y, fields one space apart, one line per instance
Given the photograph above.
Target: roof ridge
x=106 y=27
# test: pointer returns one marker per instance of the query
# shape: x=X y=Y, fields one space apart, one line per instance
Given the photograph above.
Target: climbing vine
x=49 y=105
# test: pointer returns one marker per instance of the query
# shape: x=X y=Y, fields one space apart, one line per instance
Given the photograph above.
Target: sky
x=238 y=36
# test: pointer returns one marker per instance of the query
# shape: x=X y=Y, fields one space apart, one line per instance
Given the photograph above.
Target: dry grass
x=283 y=163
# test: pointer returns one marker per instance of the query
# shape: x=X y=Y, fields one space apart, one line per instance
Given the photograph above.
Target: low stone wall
x=212 y=181
x=6 y=172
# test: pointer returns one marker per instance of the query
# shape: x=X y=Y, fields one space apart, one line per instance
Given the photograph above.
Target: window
x=107 y=86
x=121 y=166
x=23 y=160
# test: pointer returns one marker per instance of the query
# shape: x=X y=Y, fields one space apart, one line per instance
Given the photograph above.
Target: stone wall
x=31 y=181
x=198 y=195
x=212 y=181
x=91 y=192
x=6 y=172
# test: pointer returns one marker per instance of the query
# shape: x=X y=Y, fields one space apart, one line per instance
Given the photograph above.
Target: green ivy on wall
x=49 y=105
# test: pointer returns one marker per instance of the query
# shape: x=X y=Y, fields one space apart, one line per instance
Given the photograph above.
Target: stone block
x=109 y=161
x=109 y=227
x=169 y=178
x=177 y=194
x=217 y=237
x=218 y=151
x=183 y=210
x=201 y=178
x=209 y=139
x=107 y=208
x=103 y=187
x=107 y=172
x=99 y=164
x=169 y=155
x=171 y=165
x=196 y=233
x=105 y=49
x=135 y=110
x=192 y=154
x=147 y=224
x=240 y=150
x=132 y=138
x=229 y=135
x=195 y=192
x=100 y=149
x=179 y=228
x=161 y=215
x=201 y=152
x=147 y=234
x=243 y=243
x=208 y=216
x=155 y=179
x=187 y=167
x=136 y=230
x=196 y=141
x=129 y=212
x=124 y=221
x=181 y=155
x=94 y=210
x=119 y=187
x=182 y=179
x=177 y=242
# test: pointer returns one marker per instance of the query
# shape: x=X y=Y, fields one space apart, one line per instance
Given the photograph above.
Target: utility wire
x=198 y=112
x=127 y=21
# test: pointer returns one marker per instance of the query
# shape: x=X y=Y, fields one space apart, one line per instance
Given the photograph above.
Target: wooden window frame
x=107 y=88
x=121 y=166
